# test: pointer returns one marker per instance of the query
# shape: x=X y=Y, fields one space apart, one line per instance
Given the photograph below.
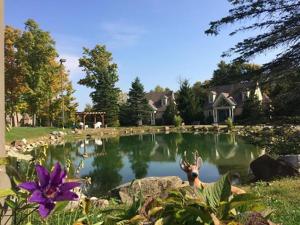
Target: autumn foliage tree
x=15 y=85
x=33 y=76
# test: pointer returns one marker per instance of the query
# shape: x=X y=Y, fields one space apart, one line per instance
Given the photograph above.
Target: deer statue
x=192 y=171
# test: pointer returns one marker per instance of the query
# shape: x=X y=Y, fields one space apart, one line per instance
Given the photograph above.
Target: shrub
x=177 y=121
x=229 y=123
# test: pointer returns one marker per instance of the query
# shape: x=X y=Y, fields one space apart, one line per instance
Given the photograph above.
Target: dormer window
x=164 y=101
x=211 y=97
x=245 y=95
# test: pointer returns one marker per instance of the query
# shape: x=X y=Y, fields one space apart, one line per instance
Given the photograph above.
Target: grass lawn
x=29 y=133
x=283 y=196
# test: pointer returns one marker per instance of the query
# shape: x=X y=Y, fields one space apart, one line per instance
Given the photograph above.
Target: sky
x=160 y=41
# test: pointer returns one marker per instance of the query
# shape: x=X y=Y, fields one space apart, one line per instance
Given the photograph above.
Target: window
x=211 y=97
x=164 y=101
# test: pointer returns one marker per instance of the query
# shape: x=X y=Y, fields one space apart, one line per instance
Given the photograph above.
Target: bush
x=177 y=121
x=229 y=123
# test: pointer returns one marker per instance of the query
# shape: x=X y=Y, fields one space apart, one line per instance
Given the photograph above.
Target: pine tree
x=101 y=75
x=252 y=109
x=170 y=113
x=138 y=104
x=186 y=103
x=278 y=25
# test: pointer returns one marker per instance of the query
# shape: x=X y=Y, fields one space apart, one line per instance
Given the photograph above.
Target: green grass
x=29 y=133
x=282 y=196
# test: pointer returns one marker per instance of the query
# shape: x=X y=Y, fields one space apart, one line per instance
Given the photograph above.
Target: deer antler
x=183 y=163
x=198 y=159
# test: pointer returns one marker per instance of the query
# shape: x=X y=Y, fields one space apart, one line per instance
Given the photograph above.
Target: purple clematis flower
x=50 y=188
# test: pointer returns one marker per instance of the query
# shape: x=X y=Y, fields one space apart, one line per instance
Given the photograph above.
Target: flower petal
x=29 y=186
x=45 y=209
x=56 y=174
x=69 y=185
x=43 y=175
x=38 y=197
x=66 y=196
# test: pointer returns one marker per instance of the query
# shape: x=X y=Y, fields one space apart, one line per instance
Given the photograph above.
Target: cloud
x=119 y=34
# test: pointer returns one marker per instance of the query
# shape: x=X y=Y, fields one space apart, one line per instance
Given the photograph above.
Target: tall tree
x=138 y=104
x=35 y=53
x=230 y=73
x=186 y=103
x=252 y=109
x=170 y=113
x=15 y=85
x=101 y=75
x=278 y=23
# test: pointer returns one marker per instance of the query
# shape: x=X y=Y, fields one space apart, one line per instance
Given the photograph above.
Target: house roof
x=233 y=93
x=154 y=99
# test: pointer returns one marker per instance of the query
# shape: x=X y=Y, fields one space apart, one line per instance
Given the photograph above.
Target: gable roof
x=154 y=99
x=233 y=93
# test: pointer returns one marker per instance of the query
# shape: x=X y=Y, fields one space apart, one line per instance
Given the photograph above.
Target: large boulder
x=267 y=168
x=150 y=186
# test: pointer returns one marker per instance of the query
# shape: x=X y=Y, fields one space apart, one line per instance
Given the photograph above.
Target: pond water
x=112 y=161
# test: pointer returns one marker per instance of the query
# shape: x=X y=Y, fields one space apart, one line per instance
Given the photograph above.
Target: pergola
x=95 y=114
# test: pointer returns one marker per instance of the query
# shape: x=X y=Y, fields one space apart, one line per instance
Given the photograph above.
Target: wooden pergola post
x=95 y=114
x=102 y=119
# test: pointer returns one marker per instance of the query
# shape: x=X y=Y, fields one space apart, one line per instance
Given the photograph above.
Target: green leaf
x=217 y=192
x=60 y=206
x=154 y=211
x=6 y=192
x=11 y=203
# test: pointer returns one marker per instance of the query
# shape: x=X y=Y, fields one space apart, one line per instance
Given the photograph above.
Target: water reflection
x=113 y=161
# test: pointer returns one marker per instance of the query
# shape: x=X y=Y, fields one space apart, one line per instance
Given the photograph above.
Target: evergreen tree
x=186 y=103
x=170 y=113
x=138 y=104
x=101 y=75
x=252 y=109
x=279 y=26
x=232 y=73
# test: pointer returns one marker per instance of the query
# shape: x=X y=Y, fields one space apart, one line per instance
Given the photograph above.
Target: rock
x=166 y=128
x=294 y=160
x=150 y=186
x=19 y=143
x=267 y=168
x=52 y=137
x=54 y=133
x=99 y=203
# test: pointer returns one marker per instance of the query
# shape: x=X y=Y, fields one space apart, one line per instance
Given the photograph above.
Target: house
x=158 y=101
x=228 y=100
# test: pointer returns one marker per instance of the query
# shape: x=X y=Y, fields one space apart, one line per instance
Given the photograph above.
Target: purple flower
x=50 y=188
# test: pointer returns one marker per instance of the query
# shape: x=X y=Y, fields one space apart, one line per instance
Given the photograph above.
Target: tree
x=285 y=95
x=138 y=104
x=252 y=109
x=232 y=73
x=200 y=92
x=15 y=85
x=35 y=53
x=88 y=108
x=101 y=75
x=170 y=113
x=279 y=22
x=159 y=89
x=186 y=103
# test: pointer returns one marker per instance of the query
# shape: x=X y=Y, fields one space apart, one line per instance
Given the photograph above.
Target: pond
x=112 y=161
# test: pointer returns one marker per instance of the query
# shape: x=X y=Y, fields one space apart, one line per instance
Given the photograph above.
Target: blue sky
x=161 y=41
